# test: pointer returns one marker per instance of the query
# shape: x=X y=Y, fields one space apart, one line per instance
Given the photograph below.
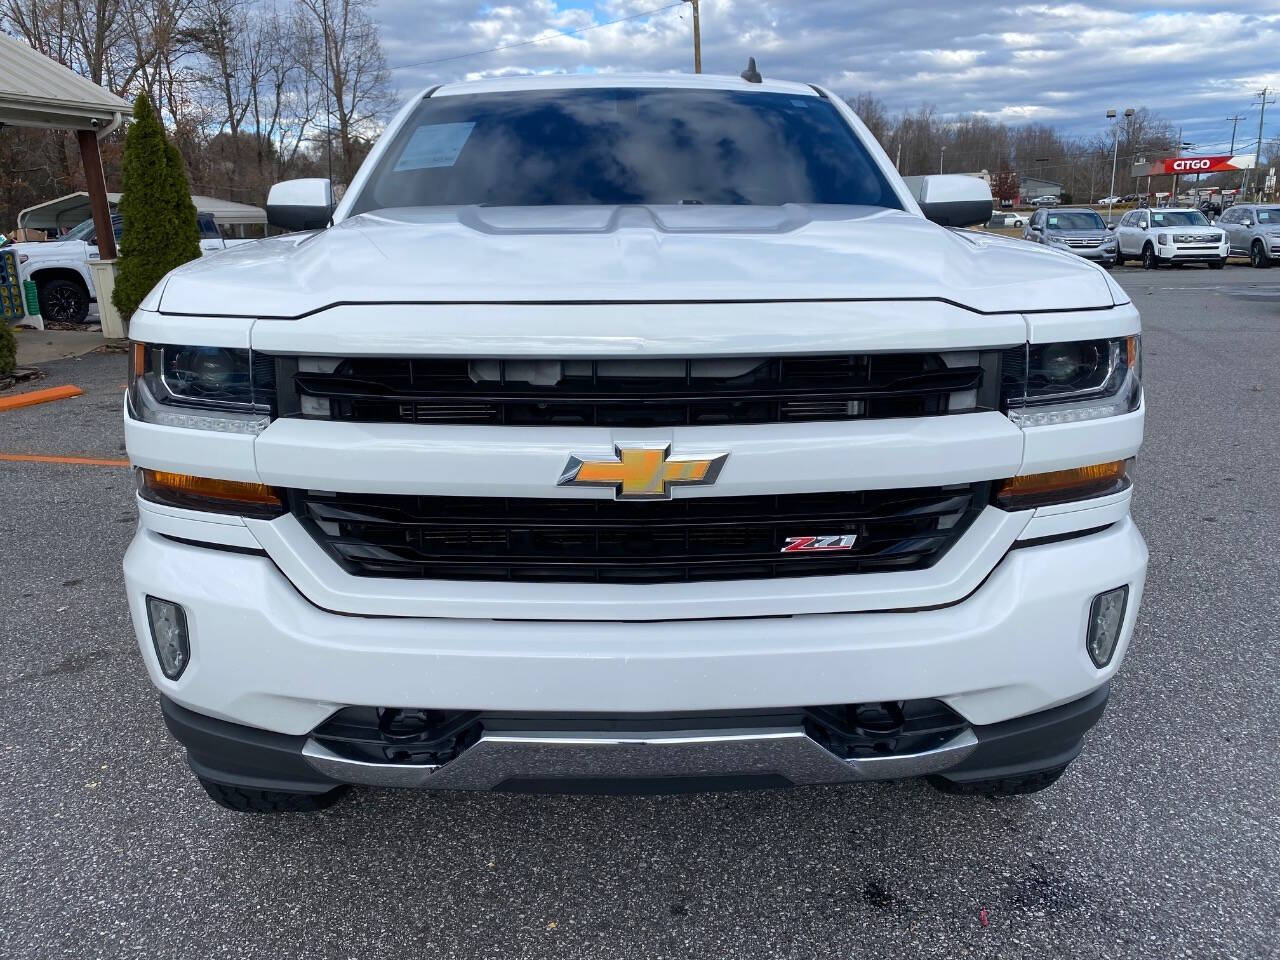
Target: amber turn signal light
x=1062 y=486
x=206 y=493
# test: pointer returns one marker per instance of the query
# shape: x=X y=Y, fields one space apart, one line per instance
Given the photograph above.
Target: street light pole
x=1115 y=155
x=941 y=153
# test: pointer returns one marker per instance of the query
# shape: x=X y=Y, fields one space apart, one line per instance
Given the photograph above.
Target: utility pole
x=897 y=164
x=1173 y=194
x=697 y=38
x=941 y=154
x=1234 y=121
x=1257 y=154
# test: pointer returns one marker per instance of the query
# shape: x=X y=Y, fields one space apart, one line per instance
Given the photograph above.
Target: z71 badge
x=819 y=544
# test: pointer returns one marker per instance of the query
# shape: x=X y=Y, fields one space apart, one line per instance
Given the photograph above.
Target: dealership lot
x=1161 y=840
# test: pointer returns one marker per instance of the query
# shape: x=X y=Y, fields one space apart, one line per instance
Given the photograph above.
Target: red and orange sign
x=1199 y=164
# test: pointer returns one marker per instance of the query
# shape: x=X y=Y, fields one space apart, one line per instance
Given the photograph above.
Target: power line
x=553 y=36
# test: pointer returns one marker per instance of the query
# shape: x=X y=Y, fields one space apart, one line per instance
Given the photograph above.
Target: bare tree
x=352 y=70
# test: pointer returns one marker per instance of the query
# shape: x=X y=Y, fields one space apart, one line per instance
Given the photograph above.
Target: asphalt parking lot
x=1162 y=841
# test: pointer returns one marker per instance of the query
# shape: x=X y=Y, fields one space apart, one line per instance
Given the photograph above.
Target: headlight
x=1162 y=238
x=223 y=389
x=1071 y=381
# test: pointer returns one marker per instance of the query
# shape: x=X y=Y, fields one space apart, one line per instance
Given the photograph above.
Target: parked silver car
x=1253 y=230
x=1075 y=230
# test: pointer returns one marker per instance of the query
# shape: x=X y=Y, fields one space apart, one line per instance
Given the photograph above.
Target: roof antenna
x=751 y=74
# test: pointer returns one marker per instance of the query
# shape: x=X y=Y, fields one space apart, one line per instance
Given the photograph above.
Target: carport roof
x=37 y=92
x=74 y=207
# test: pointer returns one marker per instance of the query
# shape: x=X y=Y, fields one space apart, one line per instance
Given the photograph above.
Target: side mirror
x=300 y=204
x=952 y=199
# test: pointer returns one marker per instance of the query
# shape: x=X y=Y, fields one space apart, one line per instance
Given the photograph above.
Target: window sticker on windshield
x=434 y=145
x=1053 y=221
x=1158 y=217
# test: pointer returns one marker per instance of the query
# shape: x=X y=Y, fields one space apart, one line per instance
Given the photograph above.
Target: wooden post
x=97 y=187
x=697 y=39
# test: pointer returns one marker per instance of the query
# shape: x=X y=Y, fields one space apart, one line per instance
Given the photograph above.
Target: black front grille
x=609 y=541
x=644 y=392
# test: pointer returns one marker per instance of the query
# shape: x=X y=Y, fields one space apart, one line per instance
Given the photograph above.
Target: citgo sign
x=1199 y=164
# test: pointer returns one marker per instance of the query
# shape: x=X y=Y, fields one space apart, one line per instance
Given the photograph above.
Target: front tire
x=1258 y=256
x=1000 y=786
x=1119 y=256
x=269 y=801
x=63 y=301
x=1149 y=260
x=1217 y=264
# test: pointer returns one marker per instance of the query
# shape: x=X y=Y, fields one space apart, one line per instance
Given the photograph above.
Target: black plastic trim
x=1033 y=743
x=250 y=758
x=241 y=756
x=210 y=545
x=642 y=303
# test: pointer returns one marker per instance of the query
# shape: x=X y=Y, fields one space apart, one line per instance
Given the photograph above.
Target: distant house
x=1031 y=187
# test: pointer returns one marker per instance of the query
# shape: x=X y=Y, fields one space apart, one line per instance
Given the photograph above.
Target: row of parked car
x=1156 y=236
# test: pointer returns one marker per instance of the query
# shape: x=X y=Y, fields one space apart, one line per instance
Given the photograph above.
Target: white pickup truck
x=60 y=268
x=632 y=433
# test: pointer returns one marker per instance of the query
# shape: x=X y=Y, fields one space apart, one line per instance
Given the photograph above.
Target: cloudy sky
x=1196 y=62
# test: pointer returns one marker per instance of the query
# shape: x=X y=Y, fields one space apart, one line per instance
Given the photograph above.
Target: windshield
x=1178 y=218
x=1076 y=220
x=80 y=231
x=1269 y=214
x=624 y=146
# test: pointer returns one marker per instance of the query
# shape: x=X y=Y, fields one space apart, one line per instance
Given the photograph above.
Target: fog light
x=1106 y=617
x=169 y=636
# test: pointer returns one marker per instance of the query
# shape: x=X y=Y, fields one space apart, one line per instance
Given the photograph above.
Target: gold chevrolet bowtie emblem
x=642 y=473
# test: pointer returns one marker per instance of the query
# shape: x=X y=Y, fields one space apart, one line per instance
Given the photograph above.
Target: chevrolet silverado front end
x=632 y=433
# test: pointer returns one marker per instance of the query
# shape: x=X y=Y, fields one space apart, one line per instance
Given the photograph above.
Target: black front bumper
x=249 y=758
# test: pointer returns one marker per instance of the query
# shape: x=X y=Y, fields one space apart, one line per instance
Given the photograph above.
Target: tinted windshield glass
x=1082 y=220
x=1178 y=218
x=80 y=231
x=1269 y=214
x=624 y=146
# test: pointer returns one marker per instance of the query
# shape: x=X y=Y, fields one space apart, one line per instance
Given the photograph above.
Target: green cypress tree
x=8 y=348
x=160 y=220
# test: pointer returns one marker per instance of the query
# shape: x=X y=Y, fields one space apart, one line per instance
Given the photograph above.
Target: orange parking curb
x=81 y=461
x=33 y=397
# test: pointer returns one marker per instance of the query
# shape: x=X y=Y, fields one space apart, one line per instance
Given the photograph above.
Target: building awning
x=74 y=207
x=37 y=92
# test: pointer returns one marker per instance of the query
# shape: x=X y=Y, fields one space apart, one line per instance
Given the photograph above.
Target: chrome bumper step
x=494 y=759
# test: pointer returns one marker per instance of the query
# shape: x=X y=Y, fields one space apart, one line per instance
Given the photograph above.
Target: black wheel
x=1000 y=786
x=269 y=801
x=1107 y=264
x=63 y=301
x=1217 y=264
x=1258 y=256
x=1119 y=256
x=1149 y=261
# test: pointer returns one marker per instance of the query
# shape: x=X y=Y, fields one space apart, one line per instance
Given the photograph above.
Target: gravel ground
x=1163 y=840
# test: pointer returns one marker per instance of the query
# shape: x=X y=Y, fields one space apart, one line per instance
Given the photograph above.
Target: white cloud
x=1066 y=63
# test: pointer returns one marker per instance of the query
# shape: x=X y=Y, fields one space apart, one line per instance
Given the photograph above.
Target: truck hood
x=633 y=253
x=50 y=249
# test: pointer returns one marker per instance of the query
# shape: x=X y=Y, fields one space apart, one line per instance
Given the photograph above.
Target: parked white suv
x=632 y=433
x=1163 y=235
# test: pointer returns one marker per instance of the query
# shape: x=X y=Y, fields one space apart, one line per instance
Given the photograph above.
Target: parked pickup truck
x=60 y=268
x=631 y=433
